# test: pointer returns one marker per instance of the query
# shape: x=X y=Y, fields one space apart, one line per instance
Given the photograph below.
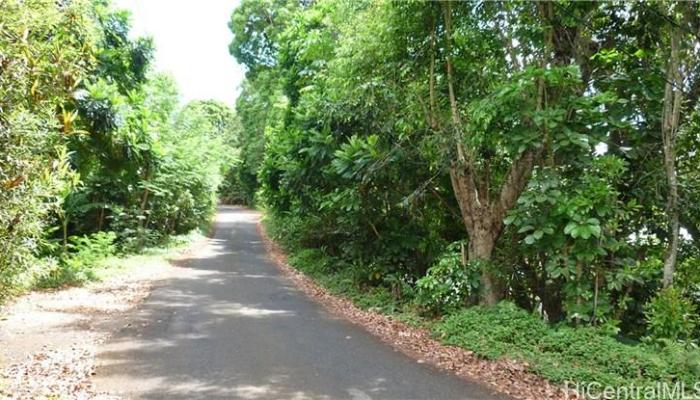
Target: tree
x=528 y=135
x=682 y=40
x=37 y=77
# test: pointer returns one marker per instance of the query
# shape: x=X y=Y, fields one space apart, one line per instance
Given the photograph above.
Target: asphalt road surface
x=233 y=327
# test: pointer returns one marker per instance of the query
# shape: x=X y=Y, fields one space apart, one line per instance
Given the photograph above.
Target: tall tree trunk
x=669 y=131
x=483 y=214
x=477 y=218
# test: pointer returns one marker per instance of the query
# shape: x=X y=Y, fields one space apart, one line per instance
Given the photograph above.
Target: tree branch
x=515 y=182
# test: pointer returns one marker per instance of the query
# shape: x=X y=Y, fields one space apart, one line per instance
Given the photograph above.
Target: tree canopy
x=93 y=140
x=547 y=146
x=534 y=163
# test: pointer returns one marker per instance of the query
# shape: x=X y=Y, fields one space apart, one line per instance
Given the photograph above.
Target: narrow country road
x=236 y=328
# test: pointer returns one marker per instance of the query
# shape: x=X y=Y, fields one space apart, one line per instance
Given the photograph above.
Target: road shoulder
x=50 y=338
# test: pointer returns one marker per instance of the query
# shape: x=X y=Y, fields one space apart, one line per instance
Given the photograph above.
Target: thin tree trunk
x=456 y=120
x=144 y=203
x=669 y=130
x=144 y=200
x=596 y=290
x=579 y=290
x=143 y=221
x=101 y=218
x=64 y=224
x=433 y=107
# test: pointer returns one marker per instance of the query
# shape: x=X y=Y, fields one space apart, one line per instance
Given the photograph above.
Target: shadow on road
x=232 y=327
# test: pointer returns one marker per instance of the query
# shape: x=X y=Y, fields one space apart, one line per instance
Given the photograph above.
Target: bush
x=83 y=255
x=447 y=285
x=492 y=332
x=670 y=316
x=313 y=262
x=564 y=353
x=342 y=279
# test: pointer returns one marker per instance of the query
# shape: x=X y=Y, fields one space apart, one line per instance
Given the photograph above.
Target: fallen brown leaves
x=508 y=377
x=50 y=372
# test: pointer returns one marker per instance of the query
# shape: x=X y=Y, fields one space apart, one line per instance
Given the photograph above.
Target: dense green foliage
x=96 y=154
x=428 y=158
x=563 y=353
x=36 y=77
x=439 y=155
x=83 y=254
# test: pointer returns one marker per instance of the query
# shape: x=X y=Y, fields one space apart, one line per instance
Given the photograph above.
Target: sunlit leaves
x=36 y=77
x=584 y=229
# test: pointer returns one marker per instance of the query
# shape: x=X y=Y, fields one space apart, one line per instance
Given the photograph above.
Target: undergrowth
x=563 y=353
x=97 y=257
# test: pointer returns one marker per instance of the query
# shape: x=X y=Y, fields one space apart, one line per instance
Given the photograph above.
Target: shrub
x=491 y=332
x=314 y=262
x=447 y=285
x=670 y=316
x=78 y=263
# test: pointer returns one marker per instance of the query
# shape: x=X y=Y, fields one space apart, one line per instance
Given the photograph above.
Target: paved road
x=233 y=327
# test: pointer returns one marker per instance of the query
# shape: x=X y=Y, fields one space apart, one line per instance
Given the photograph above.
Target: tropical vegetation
x=97 y=155
x=442 y=158
x=519 y=177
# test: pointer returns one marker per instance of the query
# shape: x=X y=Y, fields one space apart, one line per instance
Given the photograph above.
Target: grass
x=116 y=265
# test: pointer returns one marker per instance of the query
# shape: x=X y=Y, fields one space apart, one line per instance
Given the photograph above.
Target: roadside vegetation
x=98 y=158
x=521 y=178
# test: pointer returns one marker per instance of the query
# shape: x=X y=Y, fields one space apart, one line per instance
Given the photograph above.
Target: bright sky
x=191 y=38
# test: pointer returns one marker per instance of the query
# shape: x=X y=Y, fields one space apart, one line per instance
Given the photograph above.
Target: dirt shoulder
x=49 y=338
